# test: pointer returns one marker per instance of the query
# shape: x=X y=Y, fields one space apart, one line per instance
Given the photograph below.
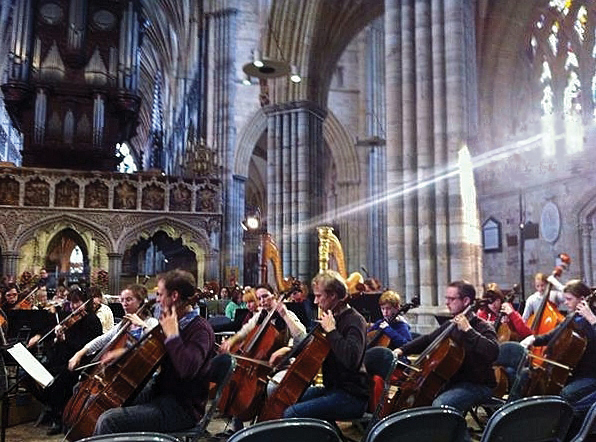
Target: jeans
x=463 y=396
x=328 y=404
x=161 y=414
x=580 y=393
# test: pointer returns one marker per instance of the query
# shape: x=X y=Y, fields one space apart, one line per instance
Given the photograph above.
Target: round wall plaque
x=550 y=222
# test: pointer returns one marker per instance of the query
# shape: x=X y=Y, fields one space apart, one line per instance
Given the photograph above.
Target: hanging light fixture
x=294 y=75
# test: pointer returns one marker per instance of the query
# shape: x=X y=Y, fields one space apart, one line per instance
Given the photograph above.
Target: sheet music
x=31 y=365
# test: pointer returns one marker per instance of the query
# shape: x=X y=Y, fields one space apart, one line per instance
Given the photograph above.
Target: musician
x=131 y=298
x=283 y=320
x=345 y=390
x=103 y=312
x=392 y=324
x=176 y=397
x=10 y=297
x=235 y=303
x=300 y=295
x=581 y=386
x=534 y=300
x=252 y=303
x=69 y=338
x=474 y=381
x=496 y=306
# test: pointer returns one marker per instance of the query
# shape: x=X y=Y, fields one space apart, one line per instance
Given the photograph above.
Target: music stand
x=31 y=366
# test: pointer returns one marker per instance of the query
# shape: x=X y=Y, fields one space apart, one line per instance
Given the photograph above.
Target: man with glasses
x=474 y=381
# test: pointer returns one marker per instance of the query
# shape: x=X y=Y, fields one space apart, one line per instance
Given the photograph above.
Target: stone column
x=222 y=24
x=9 y=263
x=114 y=272
x=586 y=247
x=431 y=116
x=294 y=184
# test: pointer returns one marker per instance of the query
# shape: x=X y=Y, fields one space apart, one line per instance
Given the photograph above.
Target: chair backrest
x=131 y=437
x=428 y=424
x=588 y=428
x=530 y=419
x=288 y=430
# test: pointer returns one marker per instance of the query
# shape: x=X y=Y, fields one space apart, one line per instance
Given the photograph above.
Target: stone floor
x=28 y=432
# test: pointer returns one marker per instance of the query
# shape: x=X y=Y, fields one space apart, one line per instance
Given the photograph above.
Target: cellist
x=345 y=390
x=283 y=319
x=392 y=325
x=498 y=308
x=580 y=390
x=131 y=298
x=175 y=399
x=474 y=381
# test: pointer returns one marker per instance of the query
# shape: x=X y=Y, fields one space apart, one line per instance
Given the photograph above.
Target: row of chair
x=532 y=419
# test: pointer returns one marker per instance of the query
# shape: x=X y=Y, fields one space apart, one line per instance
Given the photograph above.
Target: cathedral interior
x=441 y=140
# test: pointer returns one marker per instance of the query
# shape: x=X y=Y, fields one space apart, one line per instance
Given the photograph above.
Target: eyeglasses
x=451 y=298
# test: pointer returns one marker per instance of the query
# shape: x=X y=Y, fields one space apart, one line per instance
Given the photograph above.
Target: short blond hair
x=390 y=297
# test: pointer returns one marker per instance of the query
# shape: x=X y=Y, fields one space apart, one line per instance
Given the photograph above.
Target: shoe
x=54 y=429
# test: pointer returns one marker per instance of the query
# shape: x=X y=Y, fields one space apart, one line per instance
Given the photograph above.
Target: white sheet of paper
x=31 y=365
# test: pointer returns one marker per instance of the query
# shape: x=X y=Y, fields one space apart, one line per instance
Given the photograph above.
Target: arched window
x=562 y=50
x=127 y=165
x=76 y=260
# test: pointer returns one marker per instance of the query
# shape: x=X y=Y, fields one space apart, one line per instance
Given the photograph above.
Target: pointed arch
x=195 y=239
x=54 y=224
x=341 y=145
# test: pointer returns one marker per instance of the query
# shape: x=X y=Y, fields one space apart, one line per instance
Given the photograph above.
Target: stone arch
x=316 y=47
x=195 y=239
x=340 y=144
x=586 y=223
x=54 y=224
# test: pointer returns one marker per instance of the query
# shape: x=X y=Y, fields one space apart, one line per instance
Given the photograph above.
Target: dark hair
x=266 y=287
x=331 y=283
x=464 y=289
x=95 y=292
x=180 y=281
x=577 y=289
x=493 y=292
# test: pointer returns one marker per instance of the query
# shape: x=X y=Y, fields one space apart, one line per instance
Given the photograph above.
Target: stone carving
x=96 y=195
x=125 y=196
x=153 y=198
x=67 y=194
x=180 y=198
x=9 y=191
x=37 y=193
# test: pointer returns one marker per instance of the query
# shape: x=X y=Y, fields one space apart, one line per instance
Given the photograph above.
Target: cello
x=120 y=381
x=418 y=384
x=563 y=352
x=377 y=338
x=244 y=393
x=311 y=352
x=92 y=382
